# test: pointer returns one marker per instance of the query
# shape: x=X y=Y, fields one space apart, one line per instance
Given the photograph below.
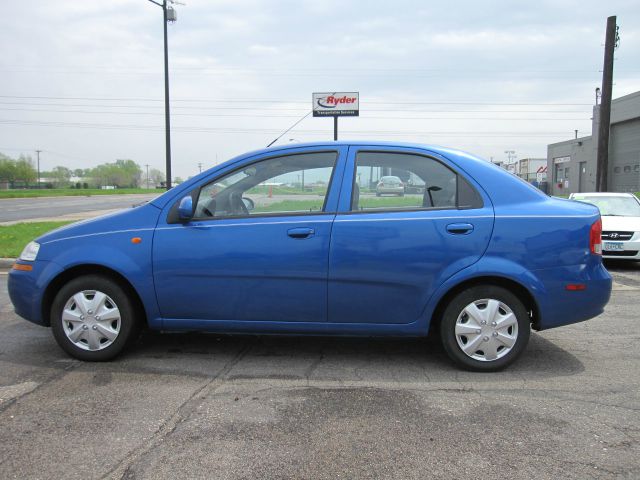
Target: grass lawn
x=291 y=206
x=72 y=192
x=13 y=238
x=315 y=205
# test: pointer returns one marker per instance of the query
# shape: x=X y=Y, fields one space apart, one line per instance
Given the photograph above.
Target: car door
x=390 y=253
x=264 y=260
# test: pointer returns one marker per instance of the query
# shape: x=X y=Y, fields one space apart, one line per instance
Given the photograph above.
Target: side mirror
x=185 y=209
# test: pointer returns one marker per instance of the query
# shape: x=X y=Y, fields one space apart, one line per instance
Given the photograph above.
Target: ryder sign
x=336 y=104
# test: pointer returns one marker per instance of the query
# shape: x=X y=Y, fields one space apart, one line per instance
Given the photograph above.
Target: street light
x=168 y=15
x=511 y=155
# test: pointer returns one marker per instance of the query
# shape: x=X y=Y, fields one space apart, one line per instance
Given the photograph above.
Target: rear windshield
x=390 y=180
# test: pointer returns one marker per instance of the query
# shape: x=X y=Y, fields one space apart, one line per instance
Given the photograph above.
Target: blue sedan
x=294 y=240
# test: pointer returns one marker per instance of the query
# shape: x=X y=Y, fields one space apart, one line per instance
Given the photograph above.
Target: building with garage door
x=571 y=165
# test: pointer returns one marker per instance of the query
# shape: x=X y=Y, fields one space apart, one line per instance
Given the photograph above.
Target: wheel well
x=75 y=272
x=514 y=287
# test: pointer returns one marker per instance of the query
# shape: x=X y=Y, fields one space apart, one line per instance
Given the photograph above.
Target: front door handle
x=300 y=232
x=460 y=228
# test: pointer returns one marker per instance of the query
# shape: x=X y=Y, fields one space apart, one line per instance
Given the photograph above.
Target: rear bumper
x=390 y=190
x=560 y=306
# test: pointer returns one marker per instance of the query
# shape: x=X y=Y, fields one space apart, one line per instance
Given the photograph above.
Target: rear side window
x=401 y=181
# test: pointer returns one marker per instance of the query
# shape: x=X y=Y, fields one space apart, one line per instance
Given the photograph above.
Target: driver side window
x=289 y=184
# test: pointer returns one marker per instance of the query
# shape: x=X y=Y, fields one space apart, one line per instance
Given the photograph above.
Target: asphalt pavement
x=45 y=208
x=249 y=407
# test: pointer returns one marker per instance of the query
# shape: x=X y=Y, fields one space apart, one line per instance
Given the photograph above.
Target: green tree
x=122 y=173
x=61 y=176
x=155 y=177
x=25 y=170
x=20 y=170
x=130 y=172
x=7 y=169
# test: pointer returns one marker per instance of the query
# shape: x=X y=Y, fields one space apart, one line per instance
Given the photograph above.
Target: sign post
x=336 y=104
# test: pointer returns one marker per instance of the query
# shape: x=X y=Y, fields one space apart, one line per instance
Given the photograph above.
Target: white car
x=620 y=222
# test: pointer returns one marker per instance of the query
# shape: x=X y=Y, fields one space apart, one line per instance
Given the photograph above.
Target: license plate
x=613 y=246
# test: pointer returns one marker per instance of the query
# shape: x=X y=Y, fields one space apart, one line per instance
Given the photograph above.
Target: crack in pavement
x=182 y=413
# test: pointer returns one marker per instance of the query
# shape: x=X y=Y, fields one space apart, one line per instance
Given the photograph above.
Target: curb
x=7 y=262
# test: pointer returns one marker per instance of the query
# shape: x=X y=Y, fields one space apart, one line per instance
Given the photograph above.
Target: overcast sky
x=83 y=80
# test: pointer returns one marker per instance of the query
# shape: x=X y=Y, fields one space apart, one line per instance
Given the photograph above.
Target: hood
x=141 y=217
x=620 y=224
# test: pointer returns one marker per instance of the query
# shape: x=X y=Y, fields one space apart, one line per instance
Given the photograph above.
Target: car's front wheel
x=93 y=319
x=485 y=328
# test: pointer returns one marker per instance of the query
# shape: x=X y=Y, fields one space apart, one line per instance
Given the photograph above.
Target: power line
x=373 y=102
x=272 y=131
x=262 y=109
x=253 y=115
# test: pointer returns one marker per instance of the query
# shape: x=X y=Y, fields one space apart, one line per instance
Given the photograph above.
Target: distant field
x=13 y=238
x=314 y=205
x=72 y=192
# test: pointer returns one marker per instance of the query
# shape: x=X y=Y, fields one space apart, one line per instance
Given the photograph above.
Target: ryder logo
x=336 y=104
x=332 y=101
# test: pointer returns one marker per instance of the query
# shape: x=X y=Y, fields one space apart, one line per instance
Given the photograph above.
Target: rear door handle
x=460 y=228
x=300 y=232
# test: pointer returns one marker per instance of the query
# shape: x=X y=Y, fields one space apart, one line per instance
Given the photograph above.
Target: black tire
x=455 y=309
x=128 y=325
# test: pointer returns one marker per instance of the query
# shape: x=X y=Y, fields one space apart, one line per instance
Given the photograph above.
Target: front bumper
x=26 y=289
x=624 y=249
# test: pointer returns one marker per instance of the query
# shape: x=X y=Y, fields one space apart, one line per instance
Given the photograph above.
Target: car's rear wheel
x=93 y=319
x=485 y=328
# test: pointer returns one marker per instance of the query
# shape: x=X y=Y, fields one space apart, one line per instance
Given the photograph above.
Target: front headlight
x=30 y=252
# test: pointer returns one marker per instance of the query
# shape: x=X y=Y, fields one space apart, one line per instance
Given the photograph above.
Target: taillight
x=595 y=238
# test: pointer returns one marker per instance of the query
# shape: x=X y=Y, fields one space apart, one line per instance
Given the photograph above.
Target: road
x=233 y=407
x=15 y=209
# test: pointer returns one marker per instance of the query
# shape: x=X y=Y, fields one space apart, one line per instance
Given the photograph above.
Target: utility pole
x=200 y=167
x=602 y=165
x=168 y=15
x=38 y=153
x=147 y=165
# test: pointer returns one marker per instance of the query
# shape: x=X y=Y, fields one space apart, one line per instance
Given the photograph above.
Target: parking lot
x=208 y=406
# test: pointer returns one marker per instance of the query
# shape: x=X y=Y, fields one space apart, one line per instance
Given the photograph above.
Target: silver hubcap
x=91 y=320
x=486 y=330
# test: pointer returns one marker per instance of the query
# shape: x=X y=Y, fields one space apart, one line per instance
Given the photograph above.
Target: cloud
x=242 y=70
x=263 y=50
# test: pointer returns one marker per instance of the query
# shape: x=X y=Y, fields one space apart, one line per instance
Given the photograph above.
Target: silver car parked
x=390 y=185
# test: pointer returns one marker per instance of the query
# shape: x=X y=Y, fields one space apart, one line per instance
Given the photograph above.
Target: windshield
x=613 y=206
